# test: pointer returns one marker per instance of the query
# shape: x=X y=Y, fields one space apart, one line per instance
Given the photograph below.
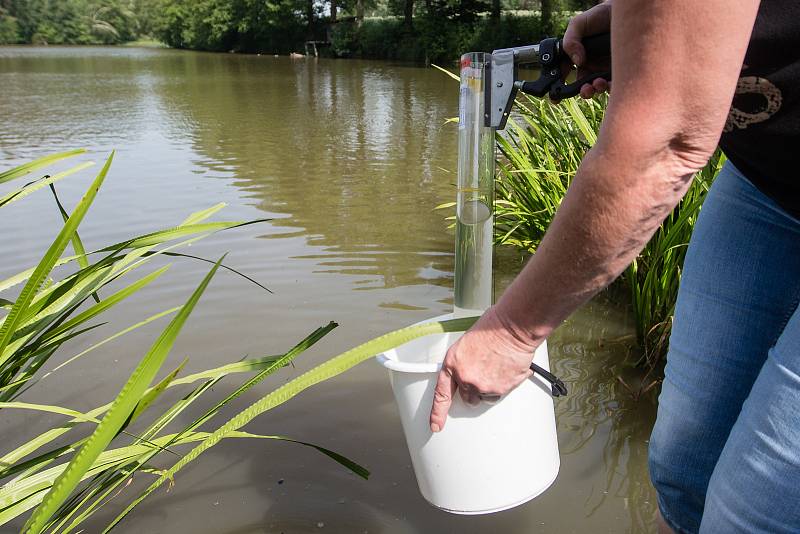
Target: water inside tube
x=473 y=269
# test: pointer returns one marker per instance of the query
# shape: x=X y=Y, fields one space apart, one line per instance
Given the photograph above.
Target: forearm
x=675 y=65
x=611 y=210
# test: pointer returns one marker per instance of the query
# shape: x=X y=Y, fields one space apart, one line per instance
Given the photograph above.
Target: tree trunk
x=408 y=13
x=547 y=18
x=495 y=10
x=359 y=10
x=310 y=16
x=333 y=10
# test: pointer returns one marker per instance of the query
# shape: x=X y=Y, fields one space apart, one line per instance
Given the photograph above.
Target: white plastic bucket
x=489 y=457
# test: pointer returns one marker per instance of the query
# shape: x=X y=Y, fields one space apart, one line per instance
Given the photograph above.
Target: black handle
x=597 y=47
x=558 y=386
x=551 y=55
x=558 y=92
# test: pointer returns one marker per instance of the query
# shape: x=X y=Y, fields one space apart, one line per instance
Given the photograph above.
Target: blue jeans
x=725 y=450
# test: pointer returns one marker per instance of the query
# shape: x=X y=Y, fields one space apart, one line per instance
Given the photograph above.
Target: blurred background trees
x=414 y=30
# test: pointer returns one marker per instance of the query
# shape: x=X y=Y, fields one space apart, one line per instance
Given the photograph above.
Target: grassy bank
x=146 y=43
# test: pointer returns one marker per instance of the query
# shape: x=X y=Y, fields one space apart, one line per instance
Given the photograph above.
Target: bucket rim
x=405 y=367
x=393 y=364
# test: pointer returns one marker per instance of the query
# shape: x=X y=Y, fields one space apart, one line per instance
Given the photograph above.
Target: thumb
x=442 y=399
x=571 y=43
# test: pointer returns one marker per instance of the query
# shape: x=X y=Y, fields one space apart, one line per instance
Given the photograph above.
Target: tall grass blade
x=111 y=423
x=28 y=168
x=77 y=244
x=27 y=189
x=107 y=303
x=49 y=408
x=325 y=371
x=106 y=340
x=48 y=261
x=202 y=215
x=442 y=69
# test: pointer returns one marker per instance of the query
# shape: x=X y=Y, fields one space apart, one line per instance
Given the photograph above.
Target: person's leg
x=755 y=487
x=740 y=284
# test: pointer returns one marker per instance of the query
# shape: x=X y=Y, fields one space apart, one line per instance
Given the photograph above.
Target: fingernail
x=575 y=58
x=435 y=427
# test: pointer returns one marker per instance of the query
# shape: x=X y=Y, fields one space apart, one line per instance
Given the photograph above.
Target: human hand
x=488 y=360
x=591 y=22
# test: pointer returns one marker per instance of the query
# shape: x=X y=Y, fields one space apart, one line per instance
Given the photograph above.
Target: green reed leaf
x=27 y=168
x=325 y=371
x=111 y=423
x=44 y=267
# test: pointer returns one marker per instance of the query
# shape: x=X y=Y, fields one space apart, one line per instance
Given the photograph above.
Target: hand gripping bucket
x=488 y=457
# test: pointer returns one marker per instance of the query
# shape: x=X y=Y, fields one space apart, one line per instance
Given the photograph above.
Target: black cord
x=558 y=386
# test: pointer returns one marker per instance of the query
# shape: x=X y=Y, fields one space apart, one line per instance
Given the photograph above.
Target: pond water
x=348 y=159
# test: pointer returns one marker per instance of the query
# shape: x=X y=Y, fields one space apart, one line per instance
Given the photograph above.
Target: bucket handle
x=558 y=386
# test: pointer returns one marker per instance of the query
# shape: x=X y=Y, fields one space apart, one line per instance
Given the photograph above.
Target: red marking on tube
x=466 y=62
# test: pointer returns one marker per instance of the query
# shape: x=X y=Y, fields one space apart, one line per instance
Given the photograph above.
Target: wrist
x=523 y=338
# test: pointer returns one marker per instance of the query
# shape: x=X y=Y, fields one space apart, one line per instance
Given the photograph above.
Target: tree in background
x=408 y=13
x=433 y=30
x=495 y=13
x=547 y=16
x=67 y=21
x=9 y=29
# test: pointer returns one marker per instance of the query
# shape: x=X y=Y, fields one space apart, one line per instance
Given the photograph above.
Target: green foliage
x=9 y=29
x=333 y=367
x=434 y=38
x=69 y=21
x=539 y=155
x=242 y=25
x=68 y=481
x=440 y=30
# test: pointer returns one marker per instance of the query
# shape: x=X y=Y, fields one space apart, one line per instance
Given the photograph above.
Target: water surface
x=348 y=159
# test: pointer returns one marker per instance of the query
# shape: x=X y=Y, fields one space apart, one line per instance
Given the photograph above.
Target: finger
x=442 y=399
x=587 y=91
x=600 y=85
x=528 y=374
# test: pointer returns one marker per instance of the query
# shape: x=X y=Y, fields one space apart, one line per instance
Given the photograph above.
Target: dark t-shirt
x=762 y=133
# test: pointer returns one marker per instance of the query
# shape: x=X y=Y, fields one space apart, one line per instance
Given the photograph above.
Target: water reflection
x=600 y=409
x=603 y=430
x=341 y=152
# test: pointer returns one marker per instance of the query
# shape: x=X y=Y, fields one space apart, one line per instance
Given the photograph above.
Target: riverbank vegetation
x=539 y=153
x=433 y=30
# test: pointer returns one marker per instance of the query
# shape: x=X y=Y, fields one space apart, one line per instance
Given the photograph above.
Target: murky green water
x=348 y=158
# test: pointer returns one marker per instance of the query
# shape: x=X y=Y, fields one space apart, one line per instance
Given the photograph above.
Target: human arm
x=675 y=65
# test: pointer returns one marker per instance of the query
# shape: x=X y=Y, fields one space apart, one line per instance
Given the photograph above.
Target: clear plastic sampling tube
x=475 y=197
